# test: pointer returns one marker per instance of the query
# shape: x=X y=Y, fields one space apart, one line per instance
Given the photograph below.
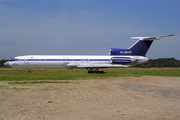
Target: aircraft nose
x=6 y=63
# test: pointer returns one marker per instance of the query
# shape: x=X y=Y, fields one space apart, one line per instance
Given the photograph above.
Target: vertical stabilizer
x=139 y=48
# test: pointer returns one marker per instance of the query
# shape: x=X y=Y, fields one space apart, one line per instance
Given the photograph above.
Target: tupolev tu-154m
x=118 y=58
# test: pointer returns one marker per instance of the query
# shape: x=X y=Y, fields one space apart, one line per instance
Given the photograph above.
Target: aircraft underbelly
x=40 y=64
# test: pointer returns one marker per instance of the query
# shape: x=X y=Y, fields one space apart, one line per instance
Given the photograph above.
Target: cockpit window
x=13 y=59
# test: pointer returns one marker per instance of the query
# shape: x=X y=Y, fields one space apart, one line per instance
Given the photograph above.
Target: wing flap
x=99 y=66
x=72 y=65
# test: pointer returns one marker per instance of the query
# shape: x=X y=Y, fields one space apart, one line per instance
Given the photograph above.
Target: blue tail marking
x=139 y=48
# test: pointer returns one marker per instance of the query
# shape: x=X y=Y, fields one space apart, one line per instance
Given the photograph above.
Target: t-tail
x=139 y=48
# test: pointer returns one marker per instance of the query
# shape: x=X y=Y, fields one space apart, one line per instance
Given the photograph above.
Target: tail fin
x=139 y=48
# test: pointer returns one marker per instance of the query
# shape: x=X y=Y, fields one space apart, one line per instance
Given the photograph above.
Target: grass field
x=14 y=74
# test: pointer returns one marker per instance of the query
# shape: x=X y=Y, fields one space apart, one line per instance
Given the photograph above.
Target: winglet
x=151 y=38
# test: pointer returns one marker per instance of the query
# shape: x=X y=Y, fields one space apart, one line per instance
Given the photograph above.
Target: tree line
x=2 y=63
x=161 y=62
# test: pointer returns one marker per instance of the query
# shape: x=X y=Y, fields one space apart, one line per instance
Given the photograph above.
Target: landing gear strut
x=94 y=70
x=29 y=70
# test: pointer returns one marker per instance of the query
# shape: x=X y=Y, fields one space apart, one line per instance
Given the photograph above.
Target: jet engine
x=123 y=60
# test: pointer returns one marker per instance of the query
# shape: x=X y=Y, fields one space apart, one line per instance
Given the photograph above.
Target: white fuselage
x=74 y=61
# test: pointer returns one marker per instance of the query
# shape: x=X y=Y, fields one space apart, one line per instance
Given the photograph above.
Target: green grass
x=15 y=74
x=36 y=82
x=11 y=74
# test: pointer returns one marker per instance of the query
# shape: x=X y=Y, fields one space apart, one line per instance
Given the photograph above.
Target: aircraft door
x=65 y=59
x=26 y=60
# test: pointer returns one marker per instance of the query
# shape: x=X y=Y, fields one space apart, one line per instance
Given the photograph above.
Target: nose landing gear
x=29 y=70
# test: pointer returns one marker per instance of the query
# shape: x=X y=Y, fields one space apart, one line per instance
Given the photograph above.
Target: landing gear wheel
x=94 y=70
x=29 y=71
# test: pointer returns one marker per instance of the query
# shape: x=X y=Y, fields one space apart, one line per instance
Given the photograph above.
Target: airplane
x=118 y=58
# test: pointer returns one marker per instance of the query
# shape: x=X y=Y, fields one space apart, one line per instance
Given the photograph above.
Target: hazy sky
x=87 y=27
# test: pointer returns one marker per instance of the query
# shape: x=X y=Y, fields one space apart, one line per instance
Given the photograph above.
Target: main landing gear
x=94 y=70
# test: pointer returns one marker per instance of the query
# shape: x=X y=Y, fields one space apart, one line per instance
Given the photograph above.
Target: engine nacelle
x=122 y=60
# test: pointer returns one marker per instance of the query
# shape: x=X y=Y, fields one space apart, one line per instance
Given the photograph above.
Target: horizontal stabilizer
x=151 y=38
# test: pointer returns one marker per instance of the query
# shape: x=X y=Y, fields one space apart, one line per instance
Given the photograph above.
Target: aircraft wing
x=151 y=38
x=72 y=65
x=94 y=65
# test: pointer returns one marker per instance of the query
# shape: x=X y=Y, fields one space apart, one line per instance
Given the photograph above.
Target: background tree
x=2 y=63
x=161 y=62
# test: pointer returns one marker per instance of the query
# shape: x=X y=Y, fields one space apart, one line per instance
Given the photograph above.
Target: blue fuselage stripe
x=62 y=60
